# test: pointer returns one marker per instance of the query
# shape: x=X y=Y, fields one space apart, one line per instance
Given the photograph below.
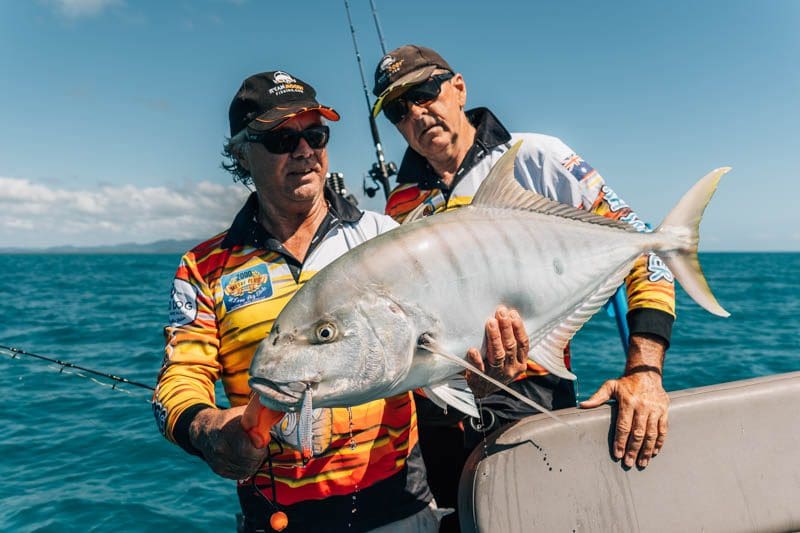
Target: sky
x=113 y=113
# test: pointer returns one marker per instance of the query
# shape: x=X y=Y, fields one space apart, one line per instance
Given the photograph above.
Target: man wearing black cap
x=450 y=152
x=366 y=471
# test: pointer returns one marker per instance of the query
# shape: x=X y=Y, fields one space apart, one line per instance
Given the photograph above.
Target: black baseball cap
x=404 y=66
x=268 y=99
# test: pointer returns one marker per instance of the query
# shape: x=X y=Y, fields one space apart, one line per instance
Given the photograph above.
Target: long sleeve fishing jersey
x=226 y=295
x=551 y=168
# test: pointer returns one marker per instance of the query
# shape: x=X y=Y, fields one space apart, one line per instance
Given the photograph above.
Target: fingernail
x=502 y=313
x=644 y=462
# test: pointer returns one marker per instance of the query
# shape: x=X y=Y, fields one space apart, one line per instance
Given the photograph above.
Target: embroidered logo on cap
x=282 y=77
x=388 y=66
x=284 y=83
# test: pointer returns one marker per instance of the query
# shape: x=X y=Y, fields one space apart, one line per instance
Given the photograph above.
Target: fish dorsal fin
x=501 y=189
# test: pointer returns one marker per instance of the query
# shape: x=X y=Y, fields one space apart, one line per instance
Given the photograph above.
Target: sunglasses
x=428 y=90
x=285 y=141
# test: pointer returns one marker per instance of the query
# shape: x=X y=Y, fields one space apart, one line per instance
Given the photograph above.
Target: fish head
x=344 y=355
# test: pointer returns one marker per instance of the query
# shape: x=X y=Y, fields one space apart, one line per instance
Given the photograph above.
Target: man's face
x=292 y=179
x=431 y=127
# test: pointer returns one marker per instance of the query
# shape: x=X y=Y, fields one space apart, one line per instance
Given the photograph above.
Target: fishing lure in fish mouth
x=258 y=420
x=305 y=431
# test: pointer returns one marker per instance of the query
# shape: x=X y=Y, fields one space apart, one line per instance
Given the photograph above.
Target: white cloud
x=82 y=8
x=33 y=215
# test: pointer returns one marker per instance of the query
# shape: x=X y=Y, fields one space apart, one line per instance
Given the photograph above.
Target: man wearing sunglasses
x=226 y=294
x=450 y=152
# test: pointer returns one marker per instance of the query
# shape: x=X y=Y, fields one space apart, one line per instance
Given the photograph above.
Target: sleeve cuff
x=651 y=322
x=181 y=430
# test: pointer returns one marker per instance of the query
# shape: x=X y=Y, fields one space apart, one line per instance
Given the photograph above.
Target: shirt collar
x=489 y=133
x=246 y=231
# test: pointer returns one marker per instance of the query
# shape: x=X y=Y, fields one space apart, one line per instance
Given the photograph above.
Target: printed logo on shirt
x=248 y=286
x=615 y=203
x=160 y=412
x=578 y=167
x=658 y=269
x=182 y=303
x=321 y=427
x=634 y=220
x=432 y=204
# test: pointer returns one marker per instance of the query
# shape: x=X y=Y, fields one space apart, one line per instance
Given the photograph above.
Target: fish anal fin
x=548 y=350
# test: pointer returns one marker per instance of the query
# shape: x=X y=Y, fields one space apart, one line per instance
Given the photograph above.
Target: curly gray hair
x=232 y=150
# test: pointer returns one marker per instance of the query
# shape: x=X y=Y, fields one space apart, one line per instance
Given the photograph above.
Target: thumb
x=601 y=396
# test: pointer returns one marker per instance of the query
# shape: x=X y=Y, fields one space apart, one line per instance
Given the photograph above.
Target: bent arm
x=184 y=400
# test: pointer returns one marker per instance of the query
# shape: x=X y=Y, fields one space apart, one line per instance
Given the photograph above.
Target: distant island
x=166 y=246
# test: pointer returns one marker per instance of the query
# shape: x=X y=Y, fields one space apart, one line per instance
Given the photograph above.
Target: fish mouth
x=283 y=393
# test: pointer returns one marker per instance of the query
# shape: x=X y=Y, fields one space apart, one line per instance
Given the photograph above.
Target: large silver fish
x=400 y=311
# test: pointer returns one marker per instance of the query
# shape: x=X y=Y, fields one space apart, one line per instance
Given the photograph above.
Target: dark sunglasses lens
x=424 y=92
x=316 y=136
x=395 y=110
x=281 y=142
x=286 y=141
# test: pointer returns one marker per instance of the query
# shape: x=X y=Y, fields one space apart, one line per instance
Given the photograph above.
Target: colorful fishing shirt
x=226 y=294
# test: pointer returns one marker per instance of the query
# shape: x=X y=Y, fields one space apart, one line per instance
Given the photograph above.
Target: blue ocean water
x=76 y=455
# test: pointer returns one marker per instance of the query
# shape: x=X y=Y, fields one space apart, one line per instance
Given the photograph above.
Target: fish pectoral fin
x=454 y=392
x=427 y=342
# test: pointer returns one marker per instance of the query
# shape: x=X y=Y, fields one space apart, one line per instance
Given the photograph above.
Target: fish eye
x=326 y=332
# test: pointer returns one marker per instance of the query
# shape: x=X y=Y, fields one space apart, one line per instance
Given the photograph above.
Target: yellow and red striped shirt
x=226 y=295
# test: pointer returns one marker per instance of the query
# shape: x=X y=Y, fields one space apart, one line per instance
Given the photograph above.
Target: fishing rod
x=381 y=171
x=16 y=352
x=378 y=26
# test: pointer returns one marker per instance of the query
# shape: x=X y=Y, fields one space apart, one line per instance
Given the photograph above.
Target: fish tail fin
x=682 y=228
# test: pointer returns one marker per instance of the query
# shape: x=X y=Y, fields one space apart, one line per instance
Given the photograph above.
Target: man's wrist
x=645 y=356
x=187 y=428
x=640 y=369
